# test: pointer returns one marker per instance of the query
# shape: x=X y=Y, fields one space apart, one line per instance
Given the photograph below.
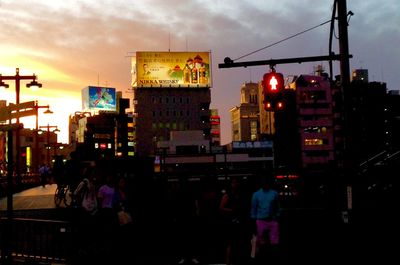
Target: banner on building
x=171 y=69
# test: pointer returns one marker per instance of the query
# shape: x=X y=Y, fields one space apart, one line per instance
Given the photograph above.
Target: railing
x=36 y=240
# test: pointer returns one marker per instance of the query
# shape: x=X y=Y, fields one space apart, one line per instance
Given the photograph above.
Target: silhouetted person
x=265 y=210
x=44 y=172
x=58 y=171
x=73 y=171
x=234 y=209
x=186 y=210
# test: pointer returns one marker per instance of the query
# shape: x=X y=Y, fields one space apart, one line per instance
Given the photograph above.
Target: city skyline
x=70 y=45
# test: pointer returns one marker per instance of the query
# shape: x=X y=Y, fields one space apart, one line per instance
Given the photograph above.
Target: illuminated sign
x=99 y=98
x=252 y=144
x=172 y=69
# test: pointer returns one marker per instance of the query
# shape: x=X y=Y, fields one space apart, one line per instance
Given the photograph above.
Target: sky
x=72 y=44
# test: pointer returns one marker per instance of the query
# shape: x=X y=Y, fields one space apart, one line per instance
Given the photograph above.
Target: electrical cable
x=295 y=35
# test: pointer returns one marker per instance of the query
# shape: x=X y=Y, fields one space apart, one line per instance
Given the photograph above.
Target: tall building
x=245 y=118
x=315 y=120
x=171 y=93
x=367 y=119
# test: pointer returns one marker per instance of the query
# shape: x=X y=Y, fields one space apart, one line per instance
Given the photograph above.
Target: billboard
x=171 y=69
x=99 y=98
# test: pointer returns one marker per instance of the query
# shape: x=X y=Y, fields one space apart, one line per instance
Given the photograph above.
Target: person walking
x=265 y=211
x=44 y=172
x=84 y=217
x=186 y=213
x=234 y=208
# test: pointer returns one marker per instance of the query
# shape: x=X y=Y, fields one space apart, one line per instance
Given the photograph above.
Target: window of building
x=314 y=141
x=253 y=130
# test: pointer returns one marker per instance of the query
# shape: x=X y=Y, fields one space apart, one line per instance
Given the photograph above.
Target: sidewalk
x=33 y=198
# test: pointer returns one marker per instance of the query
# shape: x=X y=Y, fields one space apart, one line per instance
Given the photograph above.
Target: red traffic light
x=279 y=105
x=273 y=83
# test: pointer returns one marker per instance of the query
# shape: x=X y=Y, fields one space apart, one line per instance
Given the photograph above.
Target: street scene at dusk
x=204 y=132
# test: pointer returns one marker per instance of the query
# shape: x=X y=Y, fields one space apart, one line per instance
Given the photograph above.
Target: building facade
x=245 y=118
x=158 y=111
x=315 y=120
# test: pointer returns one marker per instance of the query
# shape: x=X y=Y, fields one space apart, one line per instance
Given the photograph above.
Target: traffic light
x=273 y=85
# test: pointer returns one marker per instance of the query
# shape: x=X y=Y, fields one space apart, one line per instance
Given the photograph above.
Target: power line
x=295 y=35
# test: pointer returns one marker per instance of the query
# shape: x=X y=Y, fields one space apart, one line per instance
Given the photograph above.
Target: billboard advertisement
x=99 y=98
x=172 y=69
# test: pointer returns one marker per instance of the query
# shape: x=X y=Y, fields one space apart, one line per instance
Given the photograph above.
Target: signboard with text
x=172 y=69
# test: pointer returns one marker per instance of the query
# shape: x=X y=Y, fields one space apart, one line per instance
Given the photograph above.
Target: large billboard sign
x=172 y=69
x=99 y=98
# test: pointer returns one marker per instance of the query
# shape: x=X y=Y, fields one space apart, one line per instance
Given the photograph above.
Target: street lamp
x=47 y=111
x=48 y=146
x=33 y=85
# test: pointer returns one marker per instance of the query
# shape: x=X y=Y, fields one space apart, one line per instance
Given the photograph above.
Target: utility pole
x=347 y=167
x=343 y=43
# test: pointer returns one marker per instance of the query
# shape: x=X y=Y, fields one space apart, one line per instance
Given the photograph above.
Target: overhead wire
x=285 y=39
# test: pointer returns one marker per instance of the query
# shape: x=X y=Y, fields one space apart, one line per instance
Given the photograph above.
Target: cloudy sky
x=71 y=44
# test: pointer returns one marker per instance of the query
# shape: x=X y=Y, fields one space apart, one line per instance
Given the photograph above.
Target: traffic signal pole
x=229 y=63
x=346 y=169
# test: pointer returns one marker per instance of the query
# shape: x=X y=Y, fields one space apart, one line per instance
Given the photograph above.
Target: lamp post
x=48 y=146
x=33 y=85
x=37 y=153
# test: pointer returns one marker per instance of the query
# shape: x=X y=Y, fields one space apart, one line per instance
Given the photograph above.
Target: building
x=103 y=131
x=188 y=153
x=367 y=114
x=360 y=75
x=315 y=120
x=245 y=118
x=171 y=93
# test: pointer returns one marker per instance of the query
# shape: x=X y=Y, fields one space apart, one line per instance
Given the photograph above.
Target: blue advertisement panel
x=99 y=98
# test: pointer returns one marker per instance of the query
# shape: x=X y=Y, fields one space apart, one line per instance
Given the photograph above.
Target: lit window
x=314 y=141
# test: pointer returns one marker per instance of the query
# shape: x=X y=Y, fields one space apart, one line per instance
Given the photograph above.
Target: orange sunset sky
x=73 y=44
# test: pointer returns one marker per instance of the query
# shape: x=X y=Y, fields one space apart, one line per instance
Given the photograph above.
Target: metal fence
x=35 y=240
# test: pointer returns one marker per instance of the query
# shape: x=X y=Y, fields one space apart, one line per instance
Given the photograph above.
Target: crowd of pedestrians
x=207 y=219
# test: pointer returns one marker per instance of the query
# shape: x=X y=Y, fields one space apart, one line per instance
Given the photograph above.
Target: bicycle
x=62 y=195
